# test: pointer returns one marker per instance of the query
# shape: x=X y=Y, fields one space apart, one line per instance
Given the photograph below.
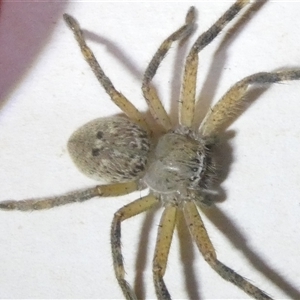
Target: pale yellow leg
x=126 y=212
x=118 y=98
x=163 y=243
x=199 y=234
x=77 y=196
x=229 y=105
x=156 y=108
x=188 y=90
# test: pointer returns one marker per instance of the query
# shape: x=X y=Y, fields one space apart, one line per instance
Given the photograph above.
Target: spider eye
x=95 y=152
x=99 y=135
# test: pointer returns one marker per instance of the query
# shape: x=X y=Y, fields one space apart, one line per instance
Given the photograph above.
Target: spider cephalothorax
x=178 y=169
x=181 y=162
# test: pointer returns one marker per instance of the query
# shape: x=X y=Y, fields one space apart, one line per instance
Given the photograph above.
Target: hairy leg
x=220 y=115
x=200 y=236
x=118 y=98
x=77 y=196
x=163 y=243
x=156 y=108
x=188 y=90
x=126 y=212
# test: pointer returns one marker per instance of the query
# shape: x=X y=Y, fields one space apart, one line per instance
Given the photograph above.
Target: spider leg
x=118 y=98
x=76 y=196
x=199 y=234
x=134 y=208
x=156 y=108
x=221 y=114
x=188 y=90
x=163 y=242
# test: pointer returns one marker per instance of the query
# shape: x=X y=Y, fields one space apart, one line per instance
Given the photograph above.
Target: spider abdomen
x=111 y=150
x=180 y=163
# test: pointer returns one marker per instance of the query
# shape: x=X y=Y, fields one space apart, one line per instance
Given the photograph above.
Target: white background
x=48 y=90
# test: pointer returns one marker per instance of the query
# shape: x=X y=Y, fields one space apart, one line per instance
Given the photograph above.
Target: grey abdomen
x=111 y=149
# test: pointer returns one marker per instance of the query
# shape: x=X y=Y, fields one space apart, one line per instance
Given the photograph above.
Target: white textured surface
x=48 y=91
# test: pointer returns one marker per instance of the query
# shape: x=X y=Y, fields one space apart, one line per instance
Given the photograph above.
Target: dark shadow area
x=177 y=71
x=125 y=60
x=187 y=254
x=128 y=63
x=223 y=156
x=223 y=151
x=226 y=226
x=142 y=254
x=25 y=29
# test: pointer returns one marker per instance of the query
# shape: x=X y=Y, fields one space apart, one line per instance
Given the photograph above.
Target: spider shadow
x=218 y=62
x=236 y=238
x=142 y=254
x=116 y=51
x=187 y=255
x=129 y=65
x=224 y=157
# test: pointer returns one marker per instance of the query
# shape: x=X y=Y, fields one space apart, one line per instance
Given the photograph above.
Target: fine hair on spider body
x=179 y=170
